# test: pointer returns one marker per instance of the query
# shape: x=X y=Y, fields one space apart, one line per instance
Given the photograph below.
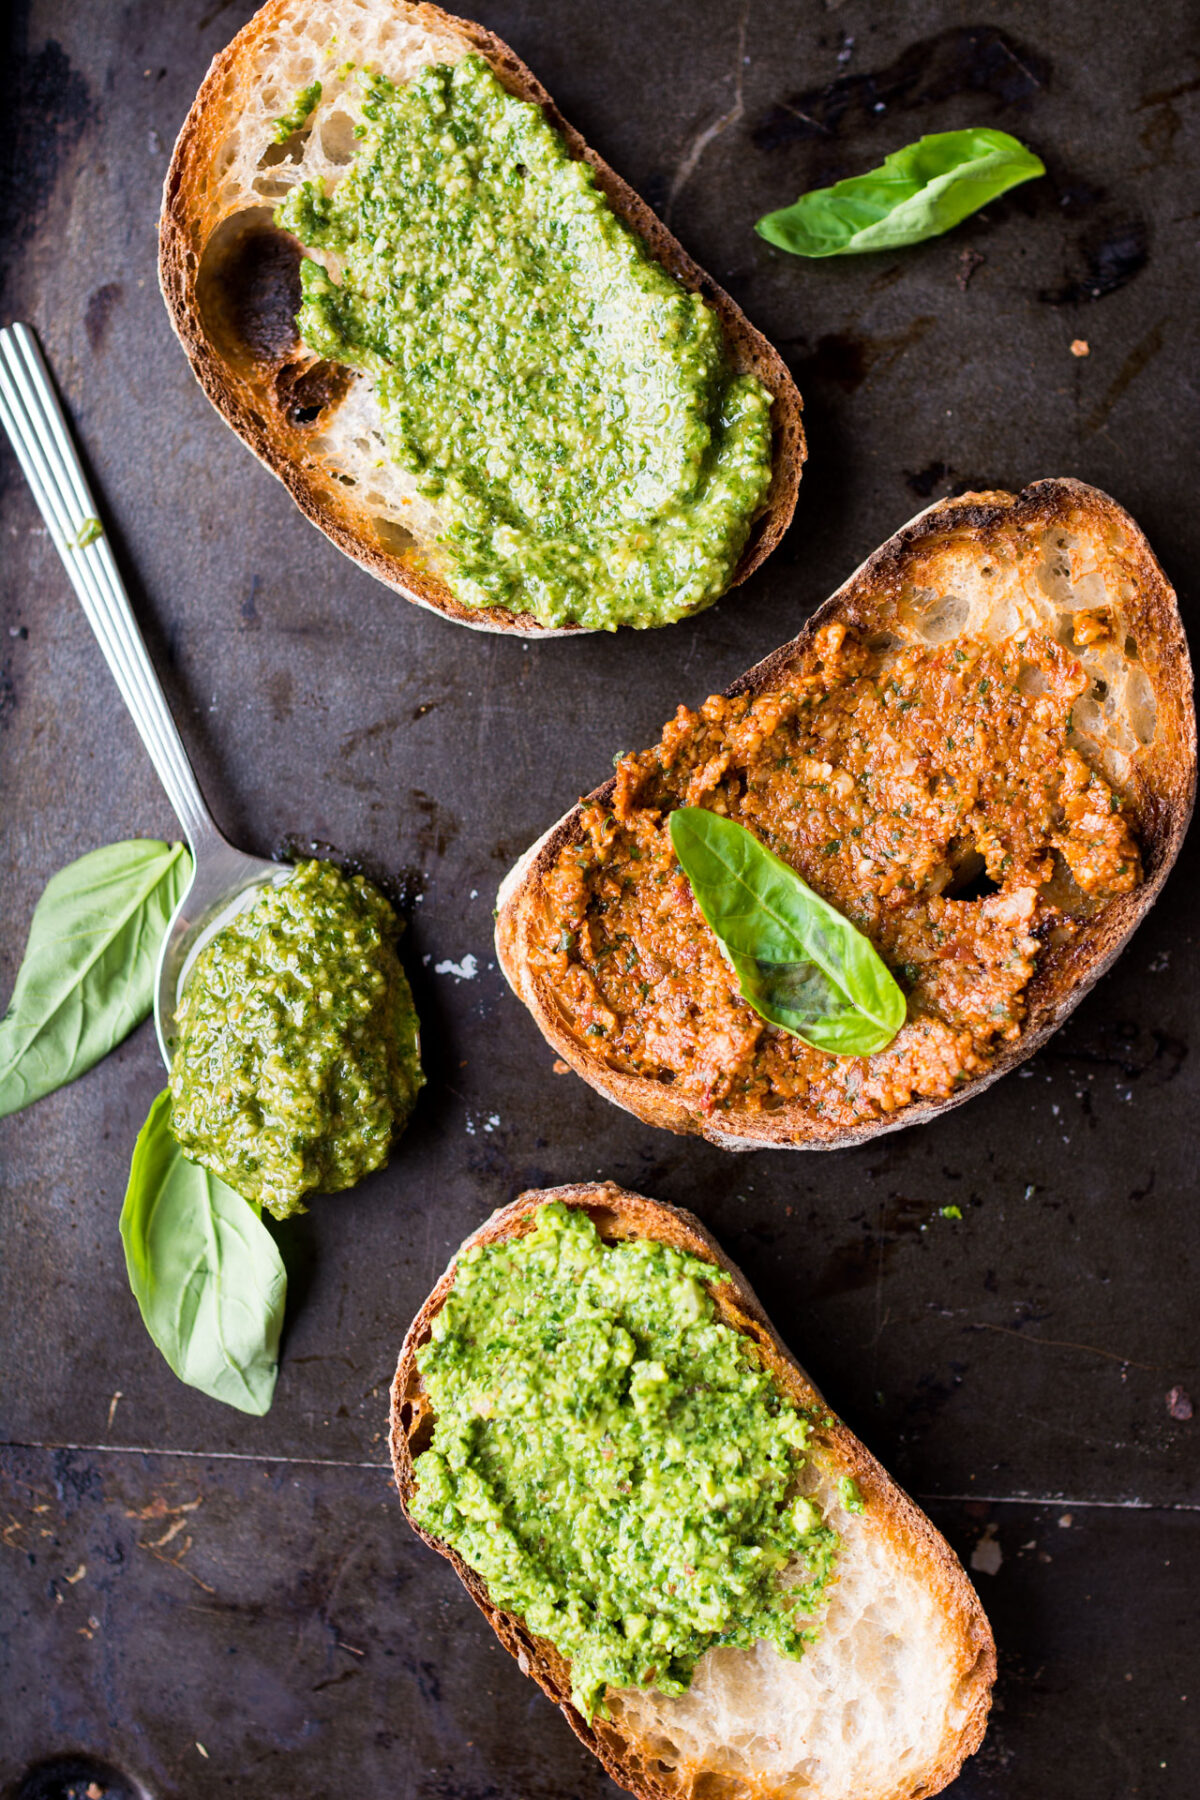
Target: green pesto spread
x=563 y=401
x=298 y=114
x=614 y=1460
x=296 y=1062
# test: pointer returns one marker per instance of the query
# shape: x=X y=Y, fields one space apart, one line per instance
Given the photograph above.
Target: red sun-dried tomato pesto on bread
x=931 y=793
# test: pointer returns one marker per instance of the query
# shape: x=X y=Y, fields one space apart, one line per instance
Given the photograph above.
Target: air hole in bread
x=1141 y=708
x=306 y=392
x=1062 y=890
x=337 y=137
x=1054 y=575
x=973 y=887
x=1002 y=618
x=274 y=154
x=969 y=879
x=392 y=537
x=248 y=289
x=711 y=1784
x=936 y=618
x=418 y=1429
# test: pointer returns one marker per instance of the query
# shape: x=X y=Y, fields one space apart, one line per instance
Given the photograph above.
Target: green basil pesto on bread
x=478 y=361
x=595 y=1423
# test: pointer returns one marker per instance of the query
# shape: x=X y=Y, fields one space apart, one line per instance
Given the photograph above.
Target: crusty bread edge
x=618 y=1213
x=790 y=1128
x=275 y=444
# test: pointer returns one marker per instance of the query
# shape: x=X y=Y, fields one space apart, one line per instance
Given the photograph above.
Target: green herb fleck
x=298 y=114
x=849 y=1495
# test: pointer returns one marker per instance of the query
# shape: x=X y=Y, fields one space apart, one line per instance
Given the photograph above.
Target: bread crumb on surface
x=987 y=1556
x=968 y=262
x=466 y=970
x=1080 y=347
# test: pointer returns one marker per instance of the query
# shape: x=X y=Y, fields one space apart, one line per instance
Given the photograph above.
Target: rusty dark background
x=199 y=1604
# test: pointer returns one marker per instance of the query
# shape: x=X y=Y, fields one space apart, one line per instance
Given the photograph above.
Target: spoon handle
x=41 y=438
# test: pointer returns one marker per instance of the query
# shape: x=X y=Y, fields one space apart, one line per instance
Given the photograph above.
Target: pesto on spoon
x=299 y=1051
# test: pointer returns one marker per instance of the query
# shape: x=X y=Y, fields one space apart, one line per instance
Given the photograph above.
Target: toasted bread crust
x=1161 y=792
x=907 y=1532
x=248 y=398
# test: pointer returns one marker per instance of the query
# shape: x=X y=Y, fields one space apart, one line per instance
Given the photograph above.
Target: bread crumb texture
x=951 y=773
x=864 y=1711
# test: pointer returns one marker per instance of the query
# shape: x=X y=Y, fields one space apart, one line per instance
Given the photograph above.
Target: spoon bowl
x=224 y=879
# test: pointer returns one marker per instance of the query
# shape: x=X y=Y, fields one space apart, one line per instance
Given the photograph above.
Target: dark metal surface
x=1013 y=1368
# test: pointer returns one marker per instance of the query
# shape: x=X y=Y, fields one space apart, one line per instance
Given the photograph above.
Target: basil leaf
x=88 y=973
x=204 y=1269
x=916 y=193
x=799 y=962
x=798 y=997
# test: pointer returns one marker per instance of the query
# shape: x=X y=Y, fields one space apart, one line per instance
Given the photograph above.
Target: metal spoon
x=224 y=880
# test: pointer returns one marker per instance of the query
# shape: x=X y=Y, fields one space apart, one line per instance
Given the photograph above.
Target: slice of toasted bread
x=974 y=569
x=895 y=1692
x=231 y=281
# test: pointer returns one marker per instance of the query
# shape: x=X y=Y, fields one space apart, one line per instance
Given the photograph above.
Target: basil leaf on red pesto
x=208 y=1279
x=87 y=976
x=917 y=193
x=800 y=964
